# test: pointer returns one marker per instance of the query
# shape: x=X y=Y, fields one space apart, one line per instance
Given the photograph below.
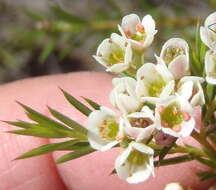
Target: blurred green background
x=46 y=37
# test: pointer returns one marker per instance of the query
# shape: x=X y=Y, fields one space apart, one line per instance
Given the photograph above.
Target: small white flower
x=114 y=53
x=140 y=125
x=154 y=82
x=175 y=53
x=208 y=31
x=174 y=116
x=123 y=95
x=103 y=130
x=210 y=67
x=140 y=33
x=135 y=164
x=190 y=88
x=173 y=186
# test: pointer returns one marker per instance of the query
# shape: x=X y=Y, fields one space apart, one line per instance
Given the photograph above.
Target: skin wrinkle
x=30 y=181
x=93 y=170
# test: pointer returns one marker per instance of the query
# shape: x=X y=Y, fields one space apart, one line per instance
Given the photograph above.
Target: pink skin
x=89 y=172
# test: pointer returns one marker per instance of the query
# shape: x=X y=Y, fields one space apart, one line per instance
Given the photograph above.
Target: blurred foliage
x=62 y=39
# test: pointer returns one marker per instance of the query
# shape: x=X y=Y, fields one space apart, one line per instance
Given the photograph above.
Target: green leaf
x=211 y=164
x=39 y=131
x=47 y=51
x=21 y=124
x=175 y=160
x=202 y=53
x=65 y=16
x=67 y=145
x=76 y=103
x=197 y=38
x=207 y=175
x=45 y=122
x=92 y=103
x=210 y=154
x=75 y=154
x=69 y=122
x=195 y=63
x=42 y=119
x=210 y=92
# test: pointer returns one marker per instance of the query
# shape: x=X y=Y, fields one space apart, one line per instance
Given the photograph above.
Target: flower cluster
x=157 y=101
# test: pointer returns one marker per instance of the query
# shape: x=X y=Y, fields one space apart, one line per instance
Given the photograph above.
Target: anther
x=177 y=128
x=140 y=28
x=186 y=116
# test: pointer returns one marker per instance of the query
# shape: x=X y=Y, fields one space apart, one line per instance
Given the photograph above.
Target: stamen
x=140 y=28
x=161 y=109
x=175 y=111
x=99 y=54
x=110 y=41
x=119 y=138
x=165 y=124
x=142 y=77
x=186 y=116
x=128 y=33
x=177 y=128
x=126 y=43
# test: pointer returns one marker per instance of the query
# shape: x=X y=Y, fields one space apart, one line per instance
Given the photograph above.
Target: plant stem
x=203 y=141
x=174 y=160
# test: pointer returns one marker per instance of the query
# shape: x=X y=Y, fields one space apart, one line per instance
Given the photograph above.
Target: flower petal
x=179 y=67
x=129 y=22
x=149 y=25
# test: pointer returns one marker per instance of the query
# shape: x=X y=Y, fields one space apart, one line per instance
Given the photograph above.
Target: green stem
x=174 y=160
x=210 y=110
x=203 y=141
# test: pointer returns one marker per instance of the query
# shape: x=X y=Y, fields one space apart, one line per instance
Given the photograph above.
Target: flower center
x=139 y=35
x=171 y=116
x=171 y=53
x=116 y=56
x=140 y=122
x=109 y=129
x=137 y=158
x=156 y=87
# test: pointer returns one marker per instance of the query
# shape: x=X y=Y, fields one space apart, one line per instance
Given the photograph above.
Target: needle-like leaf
x=67 y=145
x=92 y=103
x=69 y=122
x=76 y=154
x=76 y=103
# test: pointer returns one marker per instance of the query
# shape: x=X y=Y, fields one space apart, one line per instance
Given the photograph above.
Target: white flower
x=173 y=186
x=103 y=130
x=175 y=53
x=189 y=87
x=208 y=31
x=123 y=95
x=135 y=164
x=174 y=116
x=140 y=125
x=154 y=82
x=114 y=53
x=210 y=67
x=140 y=34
